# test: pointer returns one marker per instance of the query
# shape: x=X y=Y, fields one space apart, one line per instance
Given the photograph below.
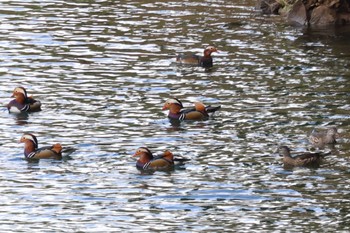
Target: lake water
x=103 y=70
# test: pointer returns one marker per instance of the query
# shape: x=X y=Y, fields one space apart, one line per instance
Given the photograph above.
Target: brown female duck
x=31 y=150
x=178 y=112
x=307 y=159
x=205 y=61
x=322 y=138
x=23 y=103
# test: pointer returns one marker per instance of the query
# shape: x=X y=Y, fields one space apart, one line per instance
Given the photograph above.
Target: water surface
x=103 y=70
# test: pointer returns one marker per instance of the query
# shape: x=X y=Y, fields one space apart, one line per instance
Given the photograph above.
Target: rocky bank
x=309 y=12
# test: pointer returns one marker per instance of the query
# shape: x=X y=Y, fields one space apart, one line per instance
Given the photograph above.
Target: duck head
x=29 y=138
x=172 y=102
x=208 y=50
x=333 y=132
x=284 y=150
x=20 y=94
x=143 y=152
x=30 y=143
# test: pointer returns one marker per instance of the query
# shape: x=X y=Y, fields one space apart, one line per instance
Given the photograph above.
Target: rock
x=269 y=6
x=322 y=15
x=343 y=19
x=309 y=12
x=297 y=15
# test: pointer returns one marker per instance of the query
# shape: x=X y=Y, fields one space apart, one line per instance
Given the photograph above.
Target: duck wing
x=159 y=164
x=188 y=59
x=307 y=157
x=47 y=152
x=196 y=115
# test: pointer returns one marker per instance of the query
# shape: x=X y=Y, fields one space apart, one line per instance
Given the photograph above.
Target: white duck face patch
x=211 y=48
x=173 y=101
x=143 y=150
x=30 y=137
x=20 y=90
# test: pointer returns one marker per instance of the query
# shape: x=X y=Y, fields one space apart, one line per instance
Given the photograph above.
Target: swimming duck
x=23 y=103
x=147 y=161
x=205 y=61
x=307 y=159
x=31 y=150
x=178 y=112
x=322 y=138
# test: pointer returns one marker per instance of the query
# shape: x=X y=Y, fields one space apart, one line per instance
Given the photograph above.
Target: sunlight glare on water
x=104 y=69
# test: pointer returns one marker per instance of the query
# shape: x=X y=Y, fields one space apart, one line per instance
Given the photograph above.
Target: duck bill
x=164 y=108
x=135 y=155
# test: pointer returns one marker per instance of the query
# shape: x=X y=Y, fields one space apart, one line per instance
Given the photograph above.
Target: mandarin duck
x=31 y=150
x=148 y=162
x=306 y=159
x=163 y=162
x=205 y=61
x=23 y=103
x=178 y=112
x=320 y=139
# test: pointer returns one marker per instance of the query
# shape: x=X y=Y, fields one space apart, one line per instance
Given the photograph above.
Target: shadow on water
x=336 y=35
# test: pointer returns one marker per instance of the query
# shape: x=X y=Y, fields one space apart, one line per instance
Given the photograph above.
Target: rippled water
x=103 y=70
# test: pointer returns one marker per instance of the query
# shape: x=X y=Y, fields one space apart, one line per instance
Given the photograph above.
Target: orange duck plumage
x=23 y=103
x=31 y=150
x=205 y=61
x=147 y=161
x=178 y=112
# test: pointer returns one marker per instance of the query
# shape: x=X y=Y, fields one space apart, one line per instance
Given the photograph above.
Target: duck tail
x=181 y=160
x=212 y=109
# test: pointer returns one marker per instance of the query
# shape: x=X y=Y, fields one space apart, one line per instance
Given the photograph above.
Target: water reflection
x=21 y=118
x=103 y=70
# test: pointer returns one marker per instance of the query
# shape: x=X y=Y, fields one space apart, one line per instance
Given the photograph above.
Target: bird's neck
x=145 y=158
x=175 y=109
x=29 y=147
x=21 y=99
x=207 y=53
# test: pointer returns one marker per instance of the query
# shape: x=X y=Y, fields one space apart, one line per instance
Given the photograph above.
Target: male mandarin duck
x=31 y=150
x=205 y=61
x=178 y=112
x=307 y=159
x=148 y=162
x=320 y=139
x=162 y=162
x=23 y=103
